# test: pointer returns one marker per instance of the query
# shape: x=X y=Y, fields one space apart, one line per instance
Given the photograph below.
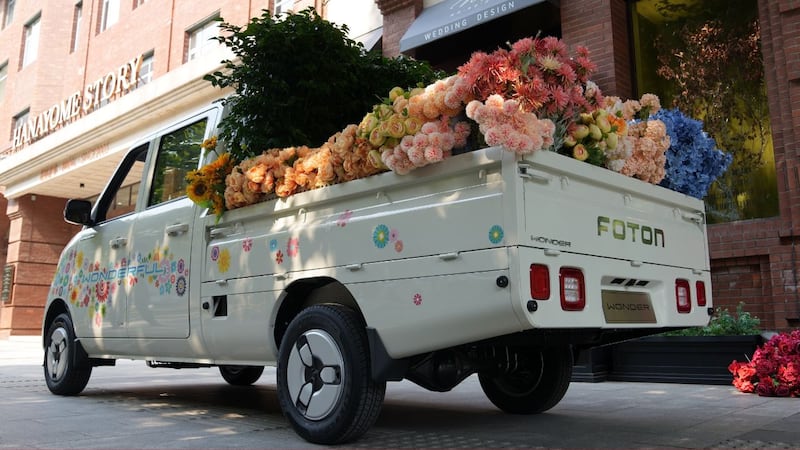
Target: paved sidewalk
x=158 y=408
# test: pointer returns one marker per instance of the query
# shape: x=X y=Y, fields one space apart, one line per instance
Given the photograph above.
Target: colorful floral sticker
x=398 y=246
x=279 y=257
x=224 y=261
x=393 y=235
x=293 y=247
x=214 y=253
x=344 y=218
x=380 y=236
x=180 y=286
x=247 y=244
x=273 y=245
x=496 y=234
x=417 y=299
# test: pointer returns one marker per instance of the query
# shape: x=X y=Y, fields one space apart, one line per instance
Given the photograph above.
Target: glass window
x=138 y=3
x=17 y=124
x=31 y=45
x=77 y=18
x=8 y=12
x=691 y=55
x=283 y=6
x=178 y=153
x=146 y=69
x=3 y=78
x=109 y=14
x=201 y=39
x=120 y=196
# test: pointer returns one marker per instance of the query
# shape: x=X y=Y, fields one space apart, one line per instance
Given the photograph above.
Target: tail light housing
x=683 y=296
x=701 y=293
x=540 y=282
x=573 y=289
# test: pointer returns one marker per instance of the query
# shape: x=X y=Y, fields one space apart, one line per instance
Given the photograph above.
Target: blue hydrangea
x=693 y=159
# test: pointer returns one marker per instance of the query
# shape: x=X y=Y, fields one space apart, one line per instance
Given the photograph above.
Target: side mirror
x=78 y=212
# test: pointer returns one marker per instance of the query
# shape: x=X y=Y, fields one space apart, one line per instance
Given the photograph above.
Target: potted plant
x=693 y=355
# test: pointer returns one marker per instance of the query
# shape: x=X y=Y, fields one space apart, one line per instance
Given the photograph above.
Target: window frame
x=8 y=13
x=202 y=37
x=77 y=21
x=3 y=79
x=31 y=35
x=103 y=22
x=282 y=6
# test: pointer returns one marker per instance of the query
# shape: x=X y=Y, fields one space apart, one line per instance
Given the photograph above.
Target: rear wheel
x=241 y=375
x=66 y=371
x=324 y=381
x=537 y=384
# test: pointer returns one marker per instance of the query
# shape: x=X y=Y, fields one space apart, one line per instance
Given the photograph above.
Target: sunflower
x=198 y=191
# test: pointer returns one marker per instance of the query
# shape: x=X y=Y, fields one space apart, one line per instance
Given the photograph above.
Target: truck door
x=158 y=301
x=98 y=283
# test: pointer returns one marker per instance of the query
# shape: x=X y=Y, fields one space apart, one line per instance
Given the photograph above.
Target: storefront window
x=703 y=57
x=201 y=39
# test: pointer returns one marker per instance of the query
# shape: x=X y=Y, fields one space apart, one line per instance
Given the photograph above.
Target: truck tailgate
x=572 y=206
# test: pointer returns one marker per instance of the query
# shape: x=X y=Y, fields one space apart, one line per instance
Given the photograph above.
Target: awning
x=453 y=16
x=370 y=38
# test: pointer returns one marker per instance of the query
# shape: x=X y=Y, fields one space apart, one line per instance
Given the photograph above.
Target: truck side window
x=120 y=196
x=178 y=153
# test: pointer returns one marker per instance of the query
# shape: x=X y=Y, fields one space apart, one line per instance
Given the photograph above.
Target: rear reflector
x=701 y=293
x=540 y=282
x=683 y=296
x=573 y=289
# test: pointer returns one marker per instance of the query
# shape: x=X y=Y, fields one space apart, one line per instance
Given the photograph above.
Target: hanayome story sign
x=113 y=85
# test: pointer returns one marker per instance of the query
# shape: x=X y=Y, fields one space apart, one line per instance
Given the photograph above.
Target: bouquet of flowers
x=206 y=186
x=693 y=159
x=774 y=370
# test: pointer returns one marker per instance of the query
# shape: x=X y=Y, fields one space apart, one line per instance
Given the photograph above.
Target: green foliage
x=723 y=323
x=298 y=80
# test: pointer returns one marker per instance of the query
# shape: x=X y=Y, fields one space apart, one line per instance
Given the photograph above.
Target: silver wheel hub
x=57 y=357
x=315 y=374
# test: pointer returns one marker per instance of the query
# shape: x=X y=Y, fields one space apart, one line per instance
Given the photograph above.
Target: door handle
x=177 y=229
x=118 y=242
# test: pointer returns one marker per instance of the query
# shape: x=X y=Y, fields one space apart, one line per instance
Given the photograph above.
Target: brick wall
x=398 y=15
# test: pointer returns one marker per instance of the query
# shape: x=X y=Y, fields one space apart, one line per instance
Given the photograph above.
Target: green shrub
x=298 y=80
x=723 y=323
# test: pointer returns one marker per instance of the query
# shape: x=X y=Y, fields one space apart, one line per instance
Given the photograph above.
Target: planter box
x=667 y=359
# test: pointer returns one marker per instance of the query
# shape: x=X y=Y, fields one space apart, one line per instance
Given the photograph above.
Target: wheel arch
x=306 y=292
x=56 y=307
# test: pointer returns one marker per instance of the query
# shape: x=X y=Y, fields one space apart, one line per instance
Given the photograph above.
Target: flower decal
x=496 y=234
x=181 y=266
x=380 y=236
x=101 y=291
x=180 y=286
x=224 y=261
x=398 y=246
x=279 y=257
x=417 y=299
x=393 y=235
x=214 y=253
x=247 y=244
x=273 y=245
x=293 y=247
x=344 y=218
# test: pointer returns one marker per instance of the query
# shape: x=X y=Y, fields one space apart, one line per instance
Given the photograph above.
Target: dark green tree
x=298 y=80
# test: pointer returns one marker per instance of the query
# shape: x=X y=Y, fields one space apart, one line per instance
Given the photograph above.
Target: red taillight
x=683 y=296
x=573 y=289
x=540 y=282
x=701 y=293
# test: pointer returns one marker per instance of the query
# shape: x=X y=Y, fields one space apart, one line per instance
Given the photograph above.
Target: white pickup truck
x=487 y=263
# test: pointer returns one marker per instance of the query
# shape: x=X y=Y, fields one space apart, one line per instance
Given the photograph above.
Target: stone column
x=37 y=234
x=398 y=15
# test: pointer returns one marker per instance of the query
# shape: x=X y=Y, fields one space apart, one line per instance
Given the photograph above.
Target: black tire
x=325 y=388
x=66 y=369
x=536 y=386
x=241 y=375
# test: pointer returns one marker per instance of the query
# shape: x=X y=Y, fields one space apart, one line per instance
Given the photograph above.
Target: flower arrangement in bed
x=534 y=96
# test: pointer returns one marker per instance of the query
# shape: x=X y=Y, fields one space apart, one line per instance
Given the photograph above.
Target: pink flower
x=293 y=247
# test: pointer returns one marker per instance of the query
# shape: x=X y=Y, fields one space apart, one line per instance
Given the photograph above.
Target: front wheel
x=241 y=375
x=536 y=385
x=324 y=382
x=66 y=371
